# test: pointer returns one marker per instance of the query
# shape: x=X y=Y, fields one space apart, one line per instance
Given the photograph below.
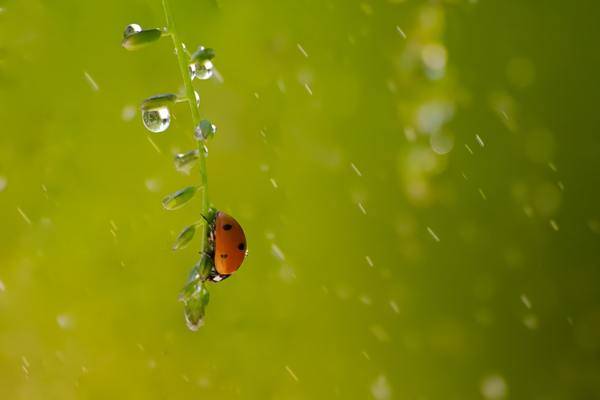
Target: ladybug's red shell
x=230 y=244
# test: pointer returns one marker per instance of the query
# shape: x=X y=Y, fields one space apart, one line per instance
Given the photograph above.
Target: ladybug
x=227 y=245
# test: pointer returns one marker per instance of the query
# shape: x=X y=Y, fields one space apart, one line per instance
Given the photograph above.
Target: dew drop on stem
x=201 y=69
x=205 y=130
x=156 y=120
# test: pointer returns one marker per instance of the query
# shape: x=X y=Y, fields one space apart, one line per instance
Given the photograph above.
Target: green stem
x=190 y=94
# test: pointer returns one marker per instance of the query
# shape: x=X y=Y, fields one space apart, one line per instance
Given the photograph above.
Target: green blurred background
x=450 y=144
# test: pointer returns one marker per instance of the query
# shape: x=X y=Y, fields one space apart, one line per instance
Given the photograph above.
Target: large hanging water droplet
x=131 y=29
x=201 y=69
x=205 y=130
x=195 y=302
x=180 y=198
x=156 y=120
x=184 y=162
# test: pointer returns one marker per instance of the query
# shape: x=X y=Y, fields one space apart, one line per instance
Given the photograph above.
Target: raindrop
x=184 y=237
x=433 y=234
x=156 y=120
x=195 y=305
x=277 y=252
x=205 y=130
x=131 y=29
x=292 y=374
x=184 y=162
x=178 y=199
x=201 y=69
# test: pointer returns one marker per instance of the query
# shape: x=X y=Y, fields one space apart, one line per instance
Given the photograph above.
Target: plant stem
x=191 y=95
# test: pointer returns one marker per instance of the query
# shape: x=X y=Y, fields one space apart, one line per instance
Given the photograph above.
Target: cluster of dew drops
x=156 y=115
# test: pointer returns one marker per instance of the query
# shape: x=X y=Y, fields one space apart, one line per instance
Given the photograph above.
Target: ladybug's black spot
x=223 y=255
x=227 y=227
x=242 y=246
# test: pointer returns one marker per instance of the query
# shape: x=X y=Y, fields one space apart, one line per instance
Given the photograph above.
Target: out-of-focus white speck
x=554 y=225
x=25 y=217
x=154 y=145
x=369 y=261
x=356 y=169
x=379 y=333
x=366 y=355
x=465 y=176
x=128 y=113
x=362 y=208
x=479 y=140
x=91 y=81
x=526 y=301
x=394 y=306
x=287 y=274
x=256 y=95
x=281 y=85
x=410 y=134
x=552 y=166
x=64 y=321
x=304 y=53
x=308 y=89
x=365 y=299
x=274 y=183
x=433 y=234
x=561 y=186
x=277 y=252
x=3 y=183
x=531 y=321
x=2 y=287
x=400 y=31
x=264 y=167
x=292 y=374
x=469 y=149
x=380 y=389
x=493 y=387
x=152 y=185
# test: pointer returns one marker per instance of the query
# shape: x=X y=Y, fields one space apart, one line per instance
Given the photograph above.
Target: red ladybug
x=228 y=244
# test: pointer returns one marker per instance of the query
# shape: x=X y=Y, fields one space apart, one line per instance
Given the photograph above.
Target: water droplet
x=195 y=303
x=184 y=162
x=178 y=199
x=184 y=237
x=205 y=130
x=201 y=69
x=156 y=120
x=131 y=29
